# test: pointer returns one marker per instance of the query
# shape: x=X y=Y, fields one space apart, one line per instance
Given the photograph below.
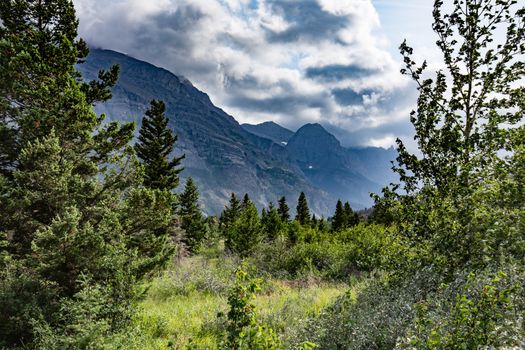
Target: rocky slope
x=270 y=130
x=220 y=155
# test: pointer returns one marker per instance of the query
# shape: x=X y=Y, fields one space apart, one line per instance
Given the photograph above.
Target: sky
x=333 y=62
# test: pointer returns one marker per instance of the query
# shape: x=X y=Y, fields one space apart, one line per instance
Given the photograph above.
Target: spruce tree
x=155 y=143
x=314 y=221
x=339 y=220
x=245 y=201
x=246 y=232
x=230 y=213
x=264 y=216
x=303 y=212
x=191 y=217
x=272 y=223
x=322 y=226
x=352 y=218
x=283 y=210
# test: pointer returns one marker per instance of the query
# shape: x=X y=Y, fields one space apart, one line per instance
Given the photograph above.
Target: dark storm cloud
x=308 y=21
x=289 y=104
x=338 y=72
x=348 y=97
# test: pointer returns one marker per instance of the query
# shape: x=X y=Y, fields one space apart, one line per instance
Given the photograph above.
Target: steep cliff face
x=220 y=155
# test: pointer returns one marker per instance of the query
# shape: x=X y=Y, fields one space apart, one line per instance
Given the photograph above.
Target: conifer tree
x=264 y=216
x=272 y=223
x=155 y=143
x=246 y=232
x=230 y=213
x=245 y=201
x=322 y=226
x=339 y=221
x=352 y=218
x=283 y=210
x=314 y=221
x=303 y=212
x=191 y=216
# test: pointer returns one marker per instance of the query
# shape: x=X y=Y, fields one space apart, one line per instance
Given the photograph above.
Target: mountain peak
x=316 y=134
x=271 y=131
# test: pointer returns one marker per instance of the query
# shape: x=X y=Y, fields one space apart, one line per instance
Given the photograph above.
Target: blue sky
x=334 y=62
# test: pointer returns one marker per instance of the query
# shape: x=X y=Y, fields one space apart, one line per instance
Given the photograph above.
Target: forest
x=103 y=247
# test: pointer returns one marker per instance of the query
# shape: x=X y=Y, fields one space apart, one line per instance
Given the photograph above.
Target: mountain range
x=266 y=160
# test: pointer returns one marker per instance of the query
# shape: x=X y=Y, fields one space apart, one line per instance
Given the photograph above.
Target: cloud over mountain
x=289 y=61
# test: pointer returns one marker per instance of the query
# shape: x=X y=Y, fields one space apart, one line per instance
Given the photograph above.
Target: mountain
x=271 y=131
x=313 y=141
x=221 y=156
x=332 y=167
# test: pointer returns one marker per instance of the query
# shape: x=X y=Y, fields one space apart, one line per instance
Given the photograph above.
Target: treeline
x=243 y=229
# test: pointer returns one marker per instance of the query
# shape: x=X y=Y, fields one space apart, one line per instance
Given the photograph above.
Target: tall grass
x=182 y=304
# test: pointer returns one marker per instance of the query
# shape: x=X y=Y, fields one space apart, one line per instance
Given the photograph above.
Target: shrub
x=477 y=311
x=373 y=319
x=243 y=331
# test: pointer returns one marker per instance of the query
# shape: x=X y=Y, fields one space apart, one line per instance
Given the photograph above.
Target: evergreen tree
x=272 y=223
x=230 y=213
x=322 y=226
x=245 y=201
x=303 y=212
x=191 y=217
x=381 y=214
x=155 y=143
x=352 y=219
x=82 y=231
x=246 y=232
x=283 y=210
x=339 y=220
x=264 y=216
x=314 y=221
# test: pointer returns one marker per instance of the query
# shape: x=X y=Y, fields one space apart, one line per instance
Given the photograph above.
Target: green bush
x=243 y=330
x=362 y=248
x=373 y=319
x=483 y=310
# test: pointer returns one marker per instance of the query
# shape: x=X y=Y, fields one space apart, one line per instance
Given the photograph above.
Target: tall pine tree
x=352 y=218
x=191 y=217
x=246 y=232
x=156 y=141
x=303 y=212
x=230 y=213
x=339 y=220
x=272 y=223
x=283 y=210
x=245 y=201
